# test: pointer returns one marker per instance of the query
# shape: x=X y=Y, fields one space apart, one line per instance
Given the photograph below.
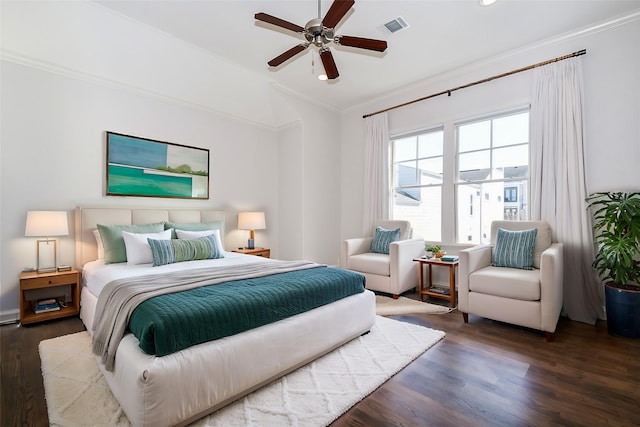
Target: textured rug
x=314 y=395
x=387 y=306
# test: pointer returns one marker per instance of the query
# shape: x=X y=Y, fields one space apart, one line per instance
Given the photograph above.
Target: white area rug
x=314 y=395
x=387 y=306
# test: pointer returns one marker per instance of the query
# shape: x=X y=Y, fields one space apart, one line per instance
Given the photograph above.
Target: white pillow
x=137 y=246
x=96 y=234
x=188 y=235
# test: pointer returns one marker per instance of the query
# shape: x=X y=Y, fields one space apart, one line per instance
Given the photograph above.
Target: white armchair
x=392 y=273
x=529 y=298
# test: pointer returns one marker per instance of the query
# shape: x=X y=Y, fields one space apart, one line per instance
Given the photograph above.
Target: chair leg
x=465 y=317
x=548 y=336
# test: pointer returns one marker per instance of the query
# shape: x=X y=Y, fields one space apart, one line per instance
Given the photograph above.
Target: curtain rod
x=488 y=79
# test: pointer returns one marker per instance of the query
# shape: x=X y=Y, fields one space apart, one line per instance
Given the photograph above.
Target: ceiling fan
x=320 y=32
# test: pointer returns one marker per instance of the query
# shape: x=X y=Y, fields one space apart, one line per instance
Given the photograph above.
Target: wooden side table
x=430 y=290
x=263 y=252
x=33 y=280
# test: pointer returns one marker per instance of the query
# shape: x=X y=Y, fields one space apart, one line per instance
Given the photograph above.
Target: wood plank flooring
x=483 y=373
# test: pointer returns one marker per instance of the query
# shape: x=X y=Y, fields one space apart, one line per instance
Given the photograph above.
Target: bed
x=181 y=387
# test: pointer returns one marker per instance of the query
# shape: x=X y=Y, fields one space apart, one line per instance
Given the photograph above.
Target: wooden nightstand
x=263 y=252
x=32 y=280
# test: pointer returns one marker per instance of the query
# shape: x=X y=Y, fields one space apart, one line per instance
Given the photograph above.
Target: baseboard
x=7 y=317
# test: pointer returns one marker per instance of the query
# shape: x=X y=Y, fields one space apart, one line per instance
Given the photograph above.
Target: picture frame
x=143 y=167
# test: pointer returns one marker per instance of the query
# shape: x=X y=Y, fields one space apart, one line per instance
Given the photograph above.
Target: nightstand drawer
x=44 y=282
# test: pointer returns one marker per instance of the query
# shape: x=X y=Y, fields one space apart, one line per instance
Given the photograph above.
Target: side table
x=436 y=292
x=263 y=252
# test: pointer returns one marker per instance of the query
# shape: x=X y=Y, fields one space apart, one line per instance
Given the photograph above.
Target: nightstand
x=32 y=280
x=263 y=252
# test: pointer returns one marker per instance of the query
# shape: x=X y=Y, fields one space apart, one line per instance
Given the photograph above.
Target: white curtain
x=558 y=186
x=376 y=171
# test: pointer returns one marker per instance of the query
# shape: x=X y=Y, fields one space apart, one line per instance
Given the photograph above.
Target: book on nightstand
x=449 y=258
x=46 y=305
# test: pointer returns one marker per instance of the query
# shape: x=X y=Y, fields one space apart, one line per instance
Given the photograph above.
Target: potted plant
x=436 y=250
x=617 y=237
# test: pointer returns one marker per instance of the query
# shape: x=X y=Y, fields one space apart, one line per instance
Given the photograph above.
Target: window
x=417 y=173
x=492 y=159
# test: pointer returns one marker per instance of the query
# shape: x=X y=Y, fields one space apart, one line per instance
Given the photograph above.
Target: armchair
x=392 y=273
x=529 y=298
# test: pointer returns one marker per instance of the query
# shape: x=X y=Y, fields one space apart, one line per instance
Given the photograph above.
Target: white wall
x=53 y=159
x=70 y=71
x=612 y=97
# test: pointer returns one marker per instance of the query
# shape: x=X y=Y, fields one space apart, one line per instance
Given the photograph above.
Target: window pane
x=481 y=203
x=474 y=136
x=474 y=166
x=404 y=149
x=424 y=214
x=430 y=170
x=430 y=144
x=511 y=130
x=511 y=156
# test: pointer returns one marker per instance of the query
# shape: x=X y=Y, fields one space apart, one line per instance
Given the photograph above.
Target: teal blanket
x=168 y=323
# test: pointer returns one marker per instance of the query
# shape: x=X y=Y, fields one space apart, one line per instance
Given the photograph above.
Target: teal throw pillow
x=514 y=248
x=193 y=226
x=111 y=236
x=382 y=239
x=174 y=250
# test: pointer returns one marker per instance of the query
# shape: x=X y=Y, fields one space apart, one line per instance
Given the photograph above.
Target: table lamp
x=251 y=221
x=46 y=224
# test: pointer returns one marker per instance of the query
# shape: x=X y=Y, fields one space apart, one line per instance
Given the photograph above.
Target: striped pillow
x=382 y=239
x=175 y=250
x=514 y=248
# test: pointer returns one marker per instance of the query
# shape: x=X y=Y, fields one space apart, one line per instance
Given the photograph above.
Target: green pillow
x=192 y=226
x=382 y=239
x=175 y=250
x=514 y=248
x=111 y=235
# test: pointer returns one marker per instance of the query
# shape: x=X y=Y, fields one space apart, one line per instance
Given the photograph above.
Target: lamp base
x=250 y=244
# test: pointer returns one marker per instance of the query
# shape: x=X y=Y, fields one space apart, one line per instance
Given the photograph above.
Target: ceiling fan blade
x=329 y=64
x=362 y=43
x=288 y=54
x=336 y=12
x=279 y=22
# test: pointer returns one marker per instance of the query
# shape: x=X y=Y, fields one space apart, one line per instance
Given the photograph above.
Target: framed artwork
x=148 y=168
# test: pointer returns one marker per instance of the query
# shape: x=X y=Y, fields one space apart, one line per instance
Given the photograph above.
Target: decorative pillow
x=514 y=248
x=138 y=249
x=111 y=235
x=193 y=226
x=188 y=235
x=175 y=250
x=96 y=234
x=382 y=239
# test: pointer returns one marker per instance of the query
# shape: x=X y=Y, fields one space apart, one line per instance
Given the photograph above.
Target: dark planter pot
x=623 y=312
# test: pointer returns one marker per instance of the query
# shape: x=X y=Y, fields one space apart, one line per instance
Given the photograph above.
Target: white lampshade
x=46 y=224
x=251 y=221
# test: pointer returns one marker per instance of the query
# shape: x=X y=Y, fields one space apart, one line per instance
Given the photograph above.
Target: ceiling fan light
x=322 y=77
x=487 y=2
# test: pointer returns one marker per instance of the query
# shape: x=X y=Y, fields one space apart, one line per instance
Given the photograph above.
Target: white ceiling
x=442 y=35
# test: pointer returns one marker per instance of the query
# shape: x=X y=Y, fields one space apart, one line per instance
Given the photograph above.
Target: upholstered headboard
x=87 y=219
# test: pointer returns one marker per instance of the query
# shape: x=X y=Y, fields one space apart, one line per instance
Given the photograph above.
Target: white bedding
x=96 y=274
x=181 y=387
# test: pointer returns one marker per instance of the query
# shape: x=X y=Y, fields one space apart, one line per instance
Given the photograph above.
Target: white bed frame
x=182 y=387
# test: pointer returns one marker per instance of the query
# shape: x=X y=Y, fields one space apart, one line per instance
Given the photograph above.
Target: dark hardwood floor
x=483 y=373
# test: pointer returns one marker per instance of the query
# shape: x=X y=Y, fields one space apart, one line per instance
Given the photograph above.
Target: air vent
x=396 y=25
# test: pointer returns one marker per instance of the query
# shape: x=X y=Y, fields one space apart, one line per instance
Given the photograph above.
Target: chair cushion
x=543 y=239
x=514 y=248
x=505 y=282
x=406 y=232
x=382 y=238
x=370 y=262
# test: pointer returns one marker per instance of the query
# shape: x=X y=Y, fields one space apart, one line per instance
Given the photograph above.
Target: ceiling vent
x=395 y=25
